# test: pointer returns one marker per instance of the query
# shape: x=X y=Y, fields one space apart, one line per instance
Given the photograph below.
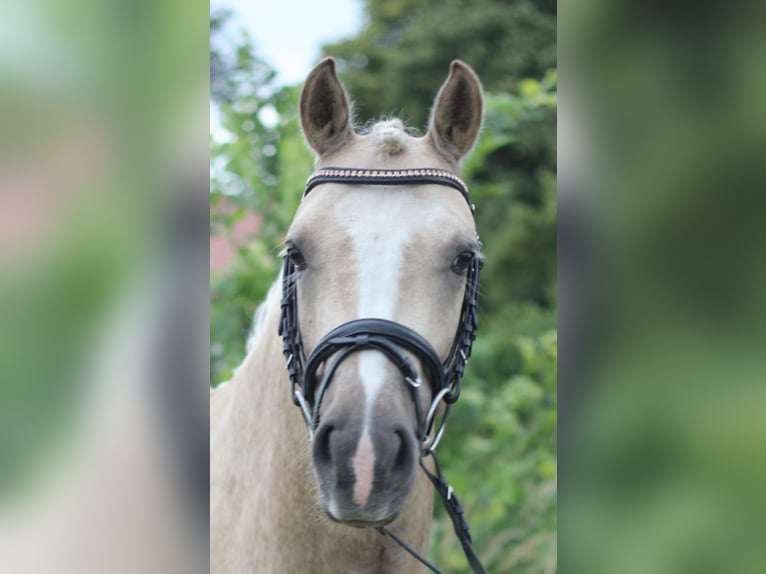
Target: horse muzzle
x=364 y=471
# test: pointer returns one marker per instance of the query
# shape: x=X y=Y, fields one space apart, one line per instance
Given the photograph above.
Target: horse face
x=383 y=252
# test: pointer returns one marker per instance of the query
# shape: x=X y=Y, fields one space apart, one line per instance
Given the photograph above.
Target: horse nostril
x=401 y=452
x=322 y=450
x=403 y=459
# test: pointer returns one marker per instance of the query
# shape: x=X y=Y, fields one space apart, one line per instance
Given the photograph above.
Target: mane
x=390 y=136
x=274 y=292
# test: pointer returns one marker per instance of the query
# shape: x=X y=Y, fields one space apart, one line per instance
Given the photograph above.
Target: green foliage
x=513 y=180
x=266 y=166
x=499 y=452
x=500 y=458
x=395 y=64
x=259 y=167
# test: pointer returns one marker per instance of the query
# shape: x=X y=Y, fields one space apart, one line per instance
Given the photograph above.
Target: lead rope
x=455 y=511
x=430 y=565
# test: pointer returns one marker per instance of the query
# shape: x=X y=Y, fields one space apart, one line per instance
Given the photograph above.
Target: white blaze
x=381 y=223
x=364 y=469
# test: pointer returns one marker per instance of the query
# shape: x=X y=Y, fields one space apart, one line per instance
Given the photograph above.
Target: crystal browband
x=417 y=176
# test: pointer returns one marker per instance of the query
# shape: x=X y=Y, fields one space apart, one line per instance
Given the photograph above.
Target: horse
x=378 y=289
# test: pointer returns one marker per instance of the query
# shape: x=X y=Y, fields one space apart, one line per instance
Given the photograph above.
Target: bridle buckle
x=414 y=383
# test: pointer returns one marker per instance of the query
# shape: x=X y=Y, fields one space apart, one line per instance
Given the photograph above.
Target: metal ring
x=298 y=394
x=439 y=434
x=434 y=405
x=428 y=422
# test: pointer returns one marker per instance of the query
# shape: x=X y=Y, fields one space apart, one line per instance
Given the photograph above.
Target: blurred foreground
x=103 y=287
x=662 y=279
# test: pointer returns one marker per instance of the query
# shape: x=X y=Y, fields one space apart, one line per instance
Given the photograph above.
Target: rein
x=393 y=340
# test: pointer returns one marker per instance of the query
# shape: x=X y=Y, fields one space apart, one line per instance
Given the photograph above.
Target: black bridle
x=393 y=340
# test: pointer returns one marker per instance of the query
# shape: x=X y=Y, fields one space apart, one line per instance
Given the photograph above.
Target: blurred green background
x=663 y=243
x=103 y=137
x=87 y=157
x=499 y=452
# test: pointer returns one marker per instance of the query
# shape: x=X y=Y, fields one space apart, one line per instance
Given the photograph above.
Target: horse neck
x=262 y=461
x=260 y=410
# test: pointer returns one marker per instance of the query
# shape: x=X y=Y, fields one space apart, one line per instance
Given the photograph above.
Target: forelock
x=390 y=136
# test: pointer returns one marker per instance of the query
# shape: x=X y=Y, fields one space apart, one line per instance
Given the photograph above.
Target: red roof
x=223 y=246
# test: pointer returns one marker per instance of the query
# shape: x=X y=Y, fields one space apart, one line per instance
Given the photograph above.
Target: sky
x=288 y=34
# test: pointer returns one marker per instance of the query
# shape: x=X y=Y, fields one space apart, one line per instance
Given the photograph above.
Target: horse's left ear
x=457 y=113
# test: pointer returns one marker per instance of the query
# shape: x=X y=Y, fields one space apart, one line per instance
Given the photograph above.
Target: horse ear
x=457 y=113
x=325 y=110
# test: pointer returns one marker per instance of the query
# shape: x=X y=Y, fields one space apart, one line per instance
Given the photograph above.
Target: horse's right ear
x=325 y=110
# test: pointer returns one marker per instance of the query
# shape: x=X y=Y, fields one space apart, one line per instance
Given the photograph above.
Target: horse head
x=396 y=253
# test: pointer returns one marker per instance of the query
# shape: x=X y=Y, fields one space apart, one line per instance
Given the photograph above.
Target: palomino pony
x=376 y=308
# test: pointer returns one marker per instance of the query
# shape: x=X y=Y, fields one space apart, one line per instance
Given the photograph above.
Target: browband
x=388 y=177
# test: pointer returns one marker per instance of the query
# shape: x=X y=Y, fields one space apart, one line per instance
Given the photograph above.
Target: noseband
x=394 y=340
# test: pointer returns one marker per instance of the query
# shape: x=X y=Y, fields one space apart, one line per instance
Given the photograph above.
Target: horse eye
x=297 y=258
x=462 y=262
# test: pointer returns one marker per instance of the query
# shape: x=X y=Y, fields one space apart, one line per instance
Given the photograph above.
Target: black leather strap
x=387 y=337
x=455 y=511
